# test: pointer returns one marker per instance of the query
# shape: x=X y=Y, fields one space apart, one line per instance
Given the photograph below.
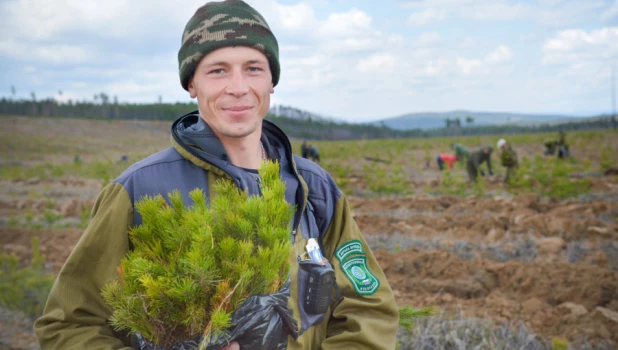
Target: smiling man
x=229 y=61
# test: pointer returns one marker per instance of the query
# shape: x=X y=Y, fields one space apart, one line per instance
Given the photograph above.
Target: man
x=229 y=61
x=314 y=154
x=476 y=159
x=449 y=159
x=562 y=145
x=304 y=149
x=461 y=151
x=550 y=147
x=508 y=159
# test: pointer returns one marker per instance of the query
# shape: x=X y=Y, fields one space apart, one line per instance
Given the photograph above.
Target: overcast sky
x=356 y=60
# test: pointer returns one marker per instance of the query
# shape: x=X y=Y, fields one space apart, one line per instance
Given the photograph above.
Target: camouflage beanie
x=222 y=24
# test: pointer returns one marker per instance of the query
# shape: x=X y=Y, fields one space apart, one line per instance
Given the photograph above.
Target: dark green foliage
x=192 y=266
x=25 y=288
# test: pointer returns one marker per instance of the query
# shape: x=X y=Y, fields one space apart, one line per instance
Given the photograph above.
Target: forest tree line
x=306 y=128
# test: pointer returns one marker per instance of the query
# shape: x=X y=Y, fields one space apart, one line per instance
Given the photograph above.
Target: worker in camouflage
x=562 y=145
x=223 y=24
x=550 y=147
x=461 y=151
x=508 y=159
x=476 y=159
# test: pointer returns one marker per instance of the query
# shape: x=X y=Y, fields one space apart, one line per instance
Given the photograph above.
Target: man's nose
x=237 y=85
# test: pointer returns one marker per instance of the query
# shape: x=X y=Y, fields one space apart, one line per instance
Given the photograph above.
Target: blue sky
x=352 y=60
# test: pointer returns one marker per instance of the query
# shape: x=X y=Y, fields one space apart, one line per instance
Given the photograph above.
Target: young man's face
x=233 y=87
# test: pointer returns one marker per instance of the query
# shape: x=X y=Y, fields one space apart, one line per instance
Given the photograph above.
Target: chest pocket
x=317 y=288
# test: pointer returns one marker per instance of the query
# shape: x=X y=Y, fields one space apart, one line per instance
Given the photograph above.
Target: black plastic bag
x=262 y=322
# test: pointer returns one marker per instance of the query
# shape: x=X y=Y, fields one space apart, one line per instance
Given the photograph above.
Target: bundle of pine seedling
x=192 y=266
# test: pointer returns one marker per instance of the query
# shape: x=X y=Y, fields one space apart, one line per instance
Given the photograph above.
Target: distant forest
x=304 y=128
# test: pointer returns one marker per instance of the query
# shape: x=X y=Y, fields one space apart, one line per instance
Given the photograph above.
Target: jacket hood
x=193 y=138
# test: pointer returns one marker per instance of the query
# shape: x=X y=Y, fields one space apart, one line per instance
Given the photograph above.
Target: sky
x=353 y=60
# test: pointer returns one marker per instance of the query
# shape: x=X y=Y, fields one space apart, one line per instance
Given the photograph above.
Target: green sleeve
x=75 y=315
x=367 y=321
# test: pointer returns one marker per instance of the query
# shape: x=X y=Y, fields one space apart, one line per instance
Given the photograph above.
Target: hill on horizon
x=434 y=120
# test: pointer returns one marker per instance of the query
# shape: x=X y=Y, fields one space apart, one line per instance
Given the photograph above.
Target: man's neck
x=245 y=152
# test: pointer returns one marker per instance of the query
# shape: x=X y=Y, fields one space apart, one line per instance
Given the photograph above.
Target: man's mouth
x=237 y=108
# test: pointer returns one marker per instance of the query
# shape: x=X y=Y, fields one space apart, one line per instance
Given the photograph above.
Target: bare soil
x=553 y=265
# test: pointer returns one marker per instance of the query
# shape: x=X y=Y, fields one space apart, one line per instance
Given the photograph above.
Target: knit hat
x=501 y=143
x=222 y=24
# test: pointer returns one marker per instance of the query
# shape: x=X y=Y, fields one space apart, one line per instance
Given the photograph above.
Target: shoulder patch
x=364 y=282
x=352 y=247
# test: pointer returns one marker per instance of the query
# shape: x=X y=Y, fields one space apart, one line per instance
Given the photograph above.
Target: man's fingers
x=232 y=346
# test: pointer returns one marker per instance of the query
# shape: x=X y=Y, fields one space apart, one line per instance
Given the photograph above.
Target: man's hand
x=232 y=346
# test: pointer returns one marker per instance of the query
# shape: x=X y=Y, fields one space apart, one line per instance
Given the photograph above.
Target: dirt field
x=547 y=263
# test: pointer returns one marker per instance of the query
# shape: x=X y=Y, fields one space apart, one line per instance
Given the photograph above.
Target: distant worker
x=508 y=159
x=562 y=145
x=461 y=151
x=476 y=159
x=304 y=150
x=550 y=147
x=314 y=154
x=449 y=159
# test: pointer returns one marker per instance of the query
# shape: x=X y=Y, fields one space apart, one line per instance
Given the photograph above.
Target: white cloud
x=360 y=44
x=578 y=45
x=427 y=16
x=501 y=54
x=468 y=66
x=610 y=13
x=377 y=63
x=45 y=53
x=351 y=23
x=434 y=67
x=467 y=43
x=296 y=17
x=313 y=60
x=112 y=18
x=428 y=38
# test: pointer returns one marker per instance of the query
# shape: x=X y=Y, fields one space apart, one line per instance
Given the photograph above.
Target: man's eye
x=255 y=69
x=216 y=71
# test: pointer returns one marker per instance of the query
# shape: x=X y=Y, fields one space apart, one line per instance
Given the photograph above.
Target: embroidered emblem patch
x=364 y=282
x=349 y=248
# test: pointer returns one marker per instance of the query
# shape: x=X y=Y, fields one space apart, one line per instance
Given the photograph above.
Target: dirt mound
x=473 y=219
x=537 y=293
x=55 y=245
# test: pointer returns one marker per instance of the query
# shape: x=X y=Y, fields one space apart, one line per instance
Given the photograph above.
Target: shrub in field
x=386 y=180
x=452 y=184
x=457 y=331
x=608 y=158
x=549 y=177
x=559 y=344
x=25 y=288
x=191 y=267
x=478 y=188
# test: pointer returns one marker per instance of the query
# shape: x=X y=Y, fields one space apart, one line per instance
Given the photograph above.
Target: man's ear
x=272 y=88
x=192 y=91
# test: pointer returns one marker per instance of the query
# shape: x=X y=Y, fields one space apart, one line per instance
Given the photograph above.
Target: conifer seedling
x=192 y=266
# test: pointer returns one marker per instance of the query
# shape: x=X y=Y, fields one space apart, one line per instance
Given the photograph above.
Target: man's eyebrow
x=255 y=61
x=223 y=63
x=219 y=63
